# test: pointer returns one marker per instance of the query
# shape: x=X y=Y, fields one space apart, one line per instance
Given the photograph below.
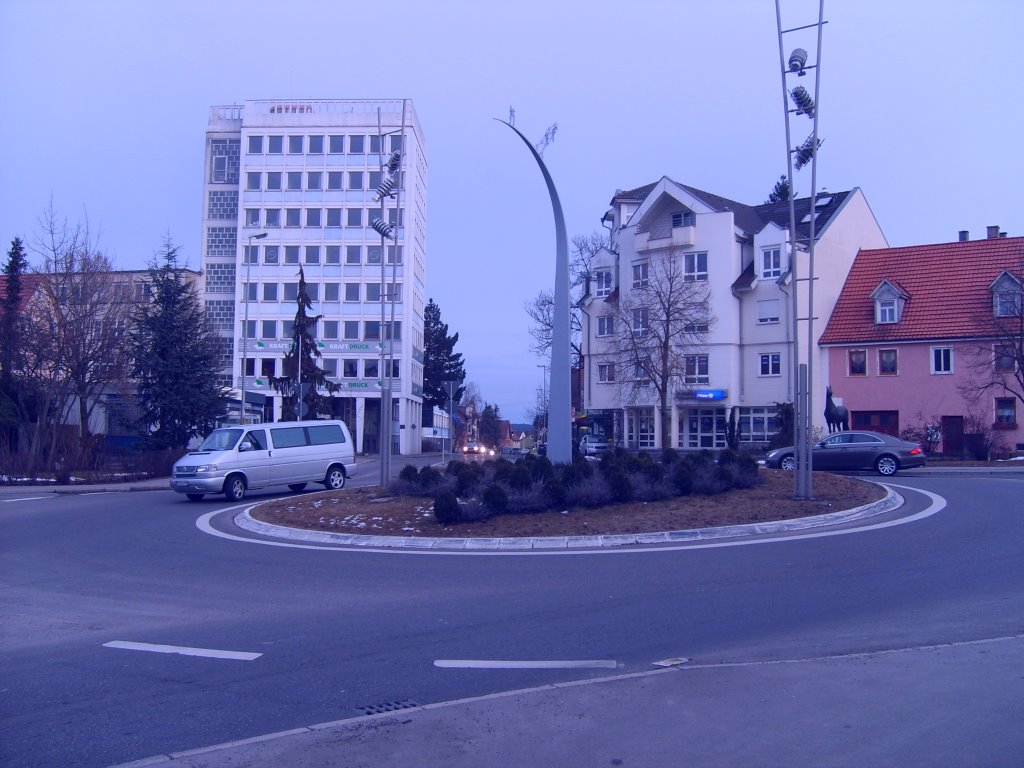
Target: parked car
x=591 y=445
x=876 y=451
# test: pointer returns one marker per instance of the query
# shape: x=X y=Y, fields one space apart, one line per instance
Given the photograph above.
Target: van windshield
x=221 y=440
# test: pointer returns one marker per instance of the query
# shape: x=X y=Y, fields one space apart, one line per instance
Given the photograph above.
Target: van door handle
x=270 y=454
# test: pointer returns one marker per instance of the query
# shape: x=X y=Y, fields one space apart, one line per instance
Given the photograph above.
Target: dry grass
x=371 y=511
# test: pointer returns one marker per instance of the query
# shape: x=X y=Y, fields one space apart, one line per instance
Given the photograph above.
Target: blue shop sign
x=710 y=394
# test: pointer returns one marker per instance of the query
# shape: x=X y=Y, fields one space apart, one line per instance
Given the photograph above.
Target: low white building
x=290 y=184
x=742 y=364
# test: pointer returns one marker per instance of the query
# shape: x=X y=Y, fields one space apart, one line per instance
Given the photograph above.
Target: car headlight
x=206 y=468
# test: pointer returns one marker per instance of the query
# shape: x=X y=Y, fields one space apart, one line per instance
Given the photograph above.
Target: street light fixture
x=245 y=325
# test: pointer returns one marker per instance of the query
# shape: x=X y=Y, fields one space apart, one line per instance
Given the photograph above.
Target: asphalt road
x=339 y=633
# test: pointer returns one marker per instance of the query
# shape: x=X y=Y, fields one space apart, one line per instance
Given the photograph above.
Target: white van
x=293 y=453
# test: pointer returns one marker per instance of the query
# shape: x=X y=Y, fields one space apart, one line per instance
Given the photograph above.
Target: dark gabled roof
x=746 y=279
x=948 y=289
x=754 y=218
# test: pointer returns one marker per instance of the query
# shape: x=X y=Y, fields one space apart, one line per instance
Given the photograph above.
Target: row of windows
x=347 y=330
x=336 y=144
x=695 y=268
x=277 y=181
x=314 y=217
x=332 y=292
x=310 y=254
x=334 y=367
x=887 y=361
x=696 y=369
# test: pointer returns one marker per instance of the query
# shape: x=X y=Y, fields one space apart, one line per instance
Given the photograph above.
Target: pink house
x=930 y=339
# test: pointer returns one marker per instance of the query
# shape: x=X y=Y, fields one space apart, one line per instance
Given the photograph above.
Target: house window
x=771 y=263
x=316 y=145
x=1006 y=411
x=255 y=145
x=1004 y=358
x=274 y=181
x=252 y=180
x=857 y=362
x=1007 y=303
x=639 y=322
x=695 y=369
x=640 y=274
x=695 y=266
x=295 y=145
x=606 y=372
x=885 y=311
x=697 y=328
x=888 y=362
x=942 y=360
x=602 y=282
x=771 y=364
x=605 y=325
x=682 y=219
x=767 y=311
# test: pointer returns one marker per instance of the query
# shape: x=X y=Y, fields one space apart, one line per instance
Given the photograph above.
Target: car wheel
x=234 y=488
x=296 y=486
x=887 y=465
x=194 y=496
x=788 y=463
x=335 y=478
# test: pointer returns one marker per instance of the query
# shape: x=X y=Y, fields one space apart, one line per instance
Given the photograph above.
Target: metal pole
x=399 y=221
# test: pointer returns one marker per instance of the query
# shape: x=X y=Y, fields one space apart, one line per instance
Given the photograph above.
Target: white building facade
x=291 y=184
x=742 y=364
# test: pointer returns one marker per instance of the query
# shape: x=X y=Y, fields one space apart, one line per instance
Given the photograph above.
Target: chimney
x=965 y=235
x=993 y=232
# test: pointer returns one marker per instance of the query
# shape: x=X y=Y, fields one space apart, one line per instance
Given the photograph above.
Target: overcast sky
x=104 y=106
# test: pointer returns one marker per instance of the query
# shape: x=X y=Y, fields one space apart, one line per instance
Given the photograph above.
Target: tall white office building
x=292 y=184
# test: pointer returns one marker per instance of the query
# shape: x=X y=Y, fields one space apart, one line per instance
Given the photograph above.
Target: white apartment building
x=291 y=184
x=743 y=365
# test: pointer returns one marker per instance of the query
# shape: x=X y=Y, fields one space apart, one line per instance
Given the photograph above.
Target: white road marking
x=183 y=650
x=505 y=664
x=25 y=498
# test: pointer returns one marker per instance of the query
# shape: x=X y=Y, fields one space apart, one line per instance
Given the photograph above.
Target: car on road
x=591 y=445
x=875 y=451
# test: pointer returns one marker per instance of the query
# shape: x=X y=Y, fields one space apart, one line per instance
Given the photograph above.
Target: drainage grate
x=388 y=706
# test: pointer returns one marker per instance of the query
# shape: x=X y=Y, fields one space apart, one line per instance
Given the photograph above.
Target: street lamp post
x=245 y=325
x=544 y=397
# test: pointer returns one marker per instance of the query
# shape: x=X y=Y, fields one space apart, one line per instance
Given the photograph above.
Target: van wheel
x=335 y=479
x=234 y=488
x=194 y=496
x=297 y=486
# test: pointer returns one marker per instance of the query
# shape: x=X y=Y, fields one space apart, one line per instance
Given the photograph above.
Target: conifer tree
x=12 y=341
x=173 y=352
x=303 y=357
x=441 y=362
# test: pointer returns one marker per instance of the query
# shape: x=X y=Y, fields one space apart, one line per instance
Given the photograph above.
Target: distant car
x=510 y=452
x=591 y=445
x=876 y=451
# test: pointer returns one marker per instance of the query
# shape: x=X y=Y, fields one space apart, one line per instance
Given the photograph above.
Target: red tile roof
x=948 y=285
x=29 y=285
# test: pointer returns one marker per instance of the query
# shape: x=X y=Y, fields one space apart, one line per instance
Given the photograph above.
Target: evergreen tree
x=304 y=349
x=173 y=352
x=12 y=341
x=490 y=425
x=441 y=362
x=780 y=192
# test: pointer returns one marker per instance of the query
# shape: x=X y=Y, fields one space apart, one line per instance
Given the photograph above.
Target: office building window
x=270 y=291
x=314 y=180
x=255 y=145
x=331 y=329
x=356 y=144
x=351 y=329
x=275 y=145
x=270 y=254
x=273 y=217
x=373 y=254
x=292 y=217
x=313 y=217
x=252 y=180
x=291 y=254
x=355 y=180
x=312 y=254
x=334 y=217
x=294 y=179
x=273 y=181
x=353 y=254
x=268 y=329
x=332 y=292
x=333 y=255
x=336 y=145
x=349 y=368
x=351 y=291
x=373 y=292
x=371 y=330
x=370 y=369
x=316 y=145
x=295 y=144
x=252 y=217
x=335 y=179
x=354 y=217
x=291 y=291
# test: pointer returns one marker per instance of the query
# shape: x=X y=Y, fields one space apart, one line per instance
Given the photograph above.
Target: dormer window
x=602 y=282
x=1006 y=295
x=889 y=302
x=682 y=219
x=771 y=263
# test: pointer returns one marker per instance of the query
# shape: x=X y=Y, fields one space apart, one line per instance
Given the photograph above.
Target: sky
x=104 y=107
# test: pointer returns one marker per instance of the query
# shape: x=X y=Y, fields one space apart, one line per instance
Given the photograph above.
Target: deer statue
x=836 y=416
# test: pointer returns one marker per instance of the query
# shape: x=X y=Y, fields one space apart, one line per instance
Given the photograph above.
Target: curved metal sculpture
x=836 y=416
x=559 y=448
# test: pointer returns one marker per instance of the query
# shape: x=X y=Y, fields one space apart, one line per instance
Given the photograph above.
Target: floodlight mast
x=806 y=153
x=245 y=325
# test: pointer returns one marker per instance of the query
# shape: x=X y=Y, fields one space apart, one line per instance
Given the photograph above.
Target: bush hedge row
x=471 y=491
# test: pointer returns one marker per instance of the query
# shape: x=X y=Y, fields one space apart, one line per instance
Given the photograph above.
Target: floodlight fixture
x=385 y=189
x=394 y=161
x=803 y=101
x=804 y=153
x=382 y=228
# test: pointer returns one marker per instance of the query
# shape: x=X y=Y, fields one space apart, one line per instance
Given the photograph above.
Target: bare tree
x=660 y=328
x=540 y=308
x=87 y=308
x=996 y=363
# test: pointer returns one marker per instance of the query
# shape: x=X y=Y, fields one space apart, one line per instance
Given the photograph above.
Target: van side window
x=288 y=437
x=257 y=439
x=326 y=435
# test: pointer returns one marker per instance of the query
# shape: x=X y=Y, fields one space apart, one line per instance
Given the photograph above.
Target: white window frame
x=771 y=263
x=886 y=311
x=641 y=274
x=768 y=311
x=602 y=282
x=770 y=364
x=640 y=324
x=606 y=373
x=605 y=325
x=695 y=266
x=696 y=369
x=941 y=360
